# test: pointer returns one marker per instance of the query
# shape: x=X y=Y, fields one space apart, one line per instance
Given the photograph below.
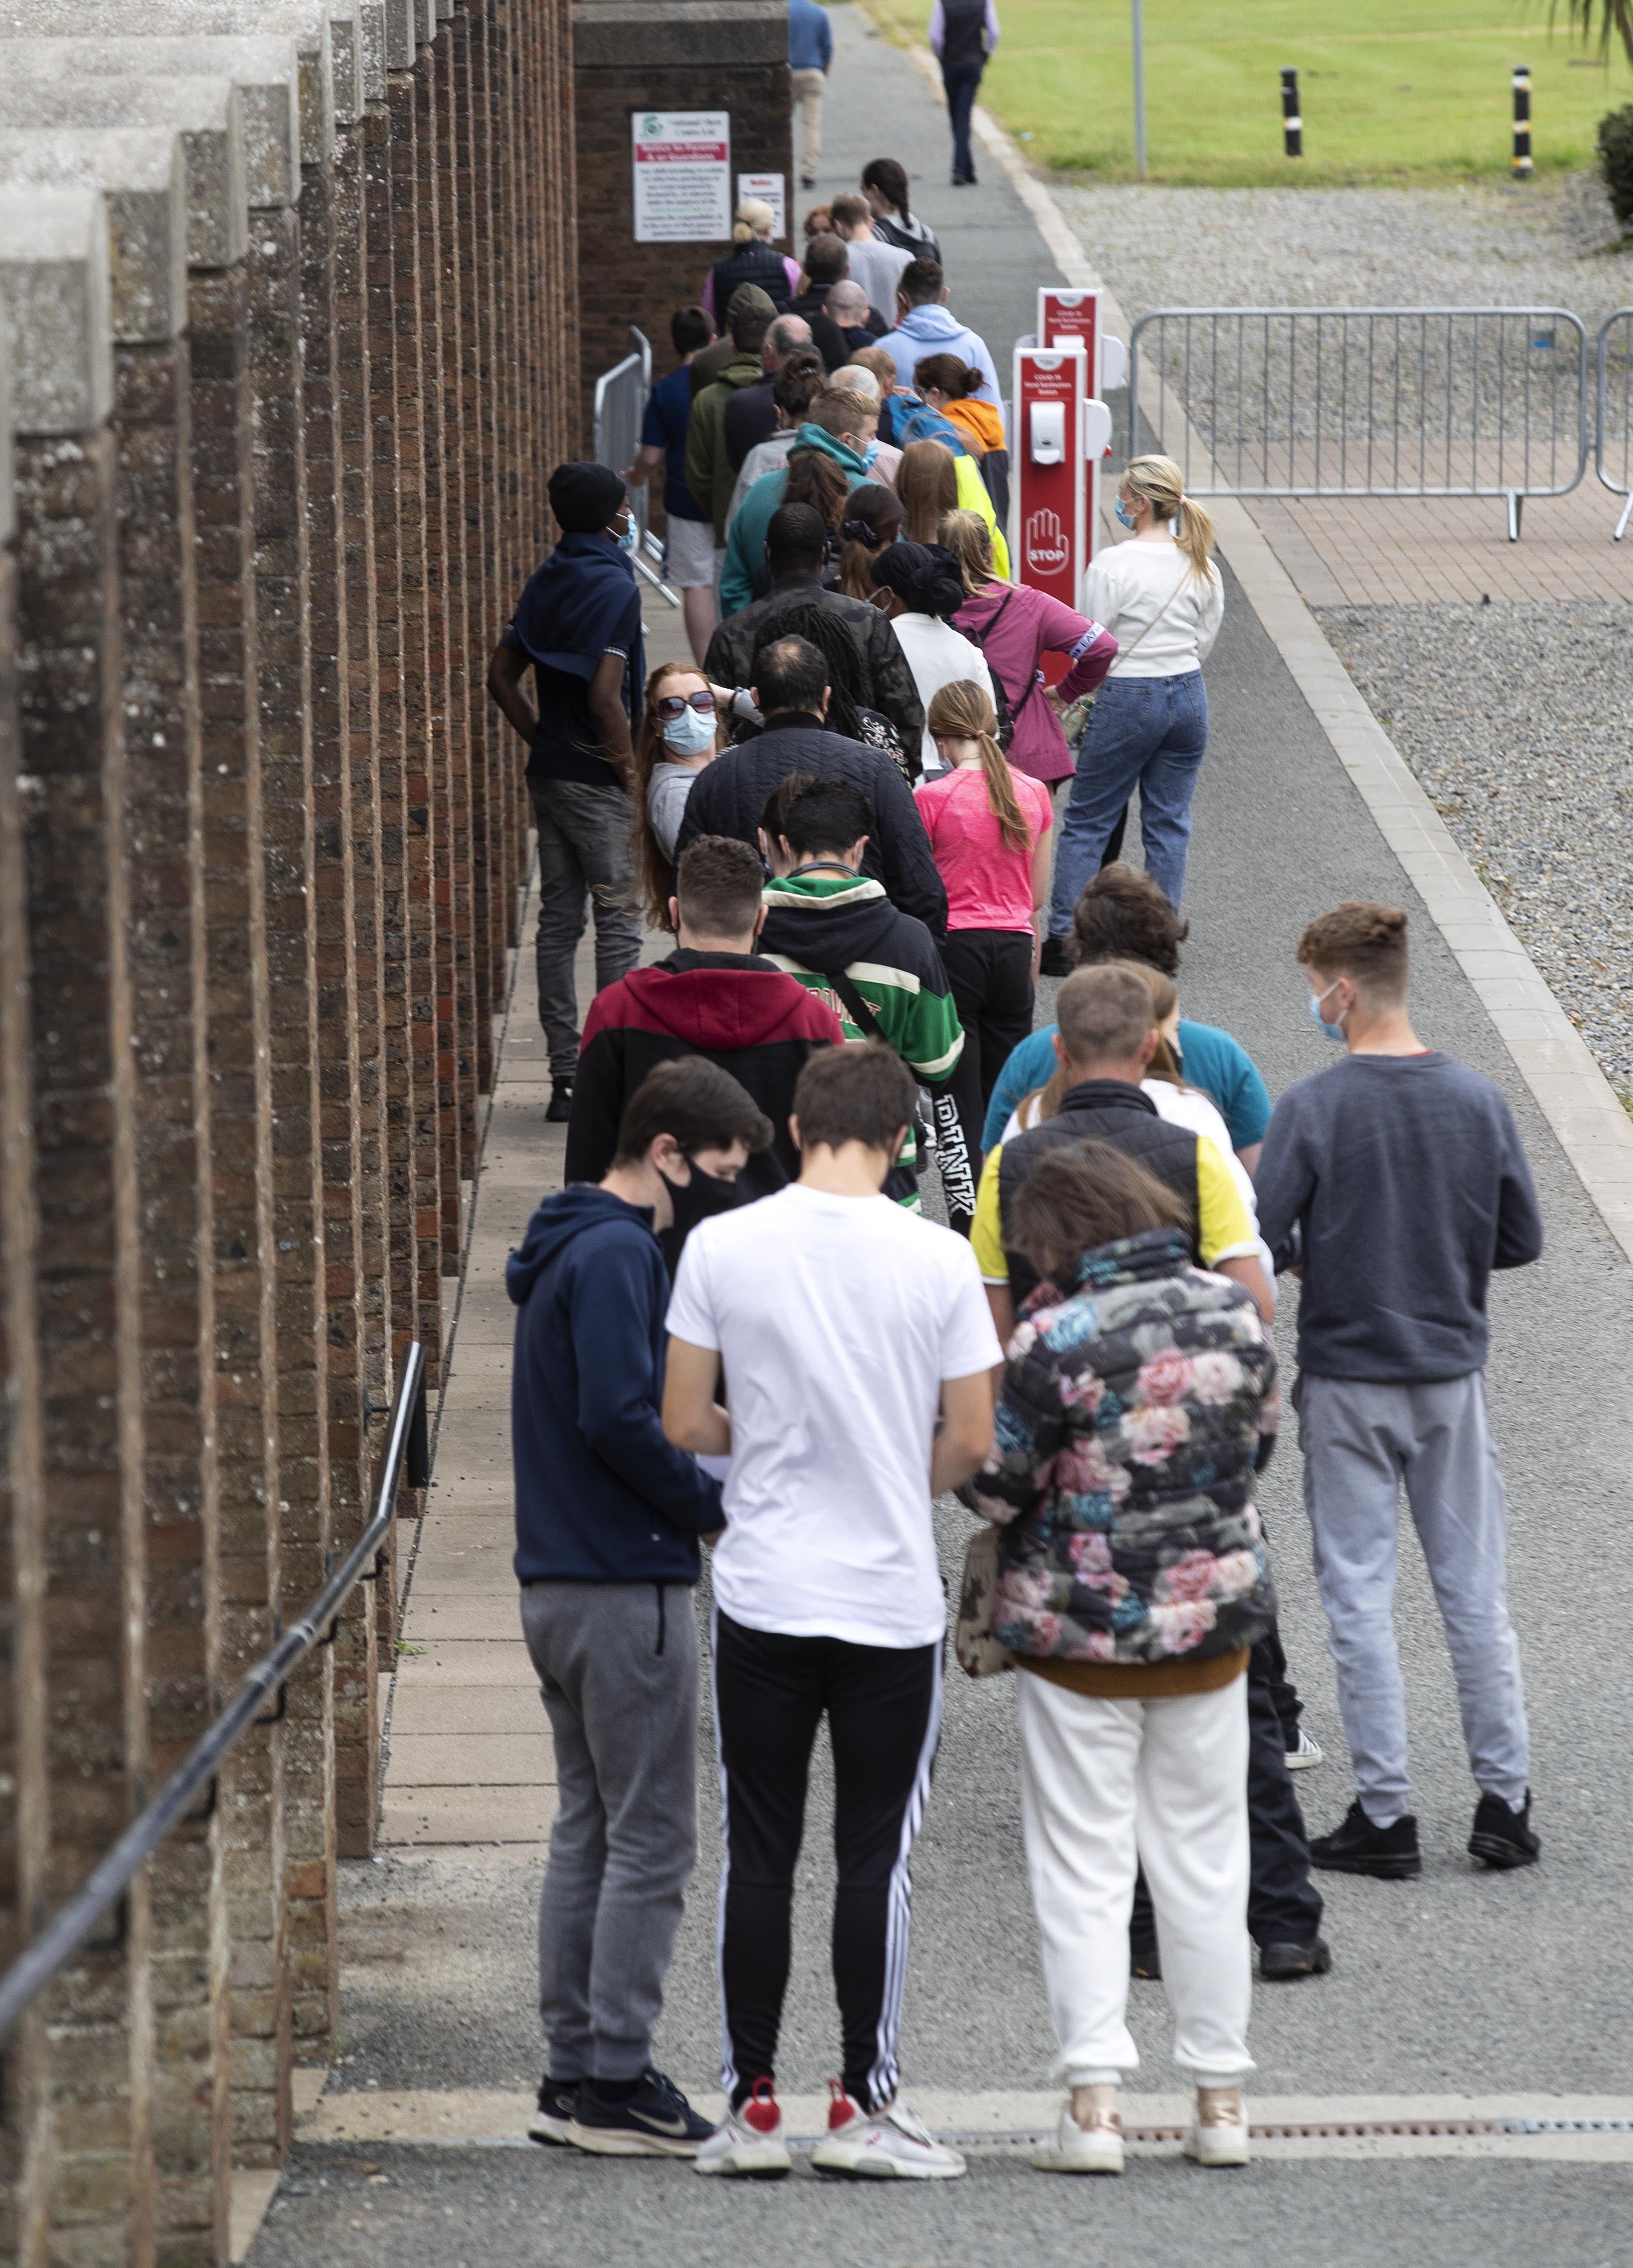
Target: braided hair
x=849 y=686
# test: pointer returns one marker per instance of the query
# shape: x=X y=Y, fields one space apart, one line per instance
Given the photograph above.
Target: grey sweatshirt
x=1399 y=1184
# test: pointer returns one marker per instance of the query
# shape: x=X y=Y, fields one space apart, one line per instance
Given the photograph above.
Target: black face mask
x=700 y=1199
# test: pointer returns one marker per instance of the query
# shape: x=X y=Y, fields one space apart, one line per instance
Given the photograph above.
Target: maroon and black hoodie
x=740 y=1010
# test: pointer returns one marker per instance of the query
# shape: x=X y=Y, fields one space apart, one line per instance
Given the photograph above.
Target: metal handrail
x=407 y=1443
x=620 y=399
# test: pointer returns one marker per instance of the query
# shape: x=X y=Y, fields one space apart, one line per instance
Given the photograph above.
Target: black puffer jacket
x=732 y=793
x=884 y=675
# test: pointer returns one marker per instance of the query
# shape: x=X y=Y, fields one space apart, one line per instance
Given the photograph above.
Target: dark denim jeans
x=961 y=88
x=1149 y=733
x=585 y=858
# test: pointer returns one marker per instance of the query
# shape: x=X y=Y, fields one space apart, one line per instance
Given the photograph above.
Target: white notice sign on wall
x=682 y=164
x=767 y=187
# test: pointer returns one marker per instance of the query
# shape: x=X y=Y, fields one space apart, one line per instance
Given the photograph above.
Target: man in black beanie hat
x=578 y=627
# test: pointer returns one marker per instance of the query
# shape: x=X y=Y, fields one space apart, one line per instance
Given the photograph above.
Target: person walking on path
x=752 y=259
x=885 y=186
x=857 y=1355
x=875 y=265
x=882 y=678
x=1162 y=599
x=880 y=970
x=792 y=691
x=987 y=825
x=810 y=59
x=608 y=1518
x=707 y=469
x=1122 y=916
x=713 y=997
x=925 y=326
x=1396 y=1182
x=1139 y=1400
x=578 y=627
x=1015 y=626
x=919 y=590
x=688 y=538
x=963 y=35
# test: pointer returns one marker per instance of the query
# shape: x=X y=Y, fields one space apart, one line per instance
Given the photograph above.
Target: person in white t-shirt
x=858 y=1351
x=1162 y=599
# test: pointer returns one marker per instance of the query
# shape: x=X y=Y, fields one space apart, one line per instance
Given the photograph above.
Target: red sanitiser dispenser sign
x=1046 y=474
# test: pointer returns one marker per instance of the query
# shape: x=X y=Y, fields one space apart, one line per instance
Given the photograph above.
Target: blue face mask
x=625 y=541
x=690 y=733
x=1332 y=1031
x=1122 y=513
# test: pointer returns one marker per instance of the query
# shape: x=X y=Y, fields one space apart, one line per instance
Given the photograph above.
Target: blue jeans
x=961 y=86
x=1146 y=732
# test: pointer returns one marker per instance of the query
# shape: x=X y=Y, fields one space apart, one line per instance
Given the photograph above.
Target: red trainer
x=841 y=2109
x=759 y=2111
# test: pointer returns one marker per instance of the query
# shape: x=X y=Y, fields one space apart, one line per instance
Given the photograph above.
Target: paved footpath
x=1463 y=1996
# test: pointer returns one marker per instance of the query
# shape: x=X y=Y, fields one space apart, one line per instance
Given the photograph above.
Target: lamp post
x=1139 y=90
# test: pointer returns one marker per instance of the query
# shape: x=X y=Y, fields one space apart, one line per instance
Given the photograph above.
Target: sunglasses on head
x=670 y=705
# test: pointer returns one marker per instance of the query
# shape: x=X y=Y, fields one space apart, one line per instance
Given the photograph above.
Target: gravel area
x=1548 y=245
x=1519 y=721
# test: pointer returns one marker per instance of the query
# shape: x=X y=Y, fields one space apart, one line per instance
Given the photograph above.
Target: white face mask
x=690 y=733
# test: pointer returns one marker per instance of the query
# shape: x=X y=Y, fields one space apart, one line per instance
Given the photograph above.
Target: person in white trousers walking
x=1139 y=1399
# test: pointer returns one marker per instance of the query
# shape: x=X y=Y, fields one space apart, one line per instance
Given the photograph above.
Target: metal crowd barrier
x=1613 y=410
x=1372 y=402
x=620 y=406
x=407 y=1447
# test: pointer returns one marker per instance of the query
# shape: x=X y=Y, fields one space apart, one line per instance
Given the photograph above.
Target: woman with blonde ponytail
x=752 y=259
x=989 y=829
x=1162 y=599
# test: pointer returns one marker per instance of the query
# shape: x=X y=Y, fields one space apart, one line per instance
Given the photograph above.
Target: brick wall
x=260 y=845
x=697 y=55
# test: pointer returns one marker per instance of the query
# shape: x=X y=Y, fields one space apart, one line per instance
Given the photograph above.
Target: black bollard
x=1522 y=123
x=1292 y=124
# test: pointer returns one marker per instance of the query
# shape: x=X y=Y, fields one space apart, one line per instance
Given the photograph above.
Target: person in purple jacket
x=1015 y=626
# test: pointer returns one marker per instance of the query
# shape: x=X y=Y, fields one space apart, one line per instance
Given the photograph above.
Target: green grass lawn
x=1399 y=91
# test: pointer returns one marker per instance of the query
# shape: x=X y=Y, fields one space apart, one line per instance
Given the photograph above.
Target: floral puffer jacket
x=1138 y=1404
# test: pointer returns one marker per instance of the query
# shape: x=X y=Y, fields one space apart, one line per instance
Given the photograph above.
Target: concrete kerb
x=1583 y=1110
x=54 y=283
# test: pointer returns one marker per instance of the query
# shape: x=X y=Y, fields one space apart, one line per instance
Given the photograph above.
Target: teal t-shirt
x=1212 y=1060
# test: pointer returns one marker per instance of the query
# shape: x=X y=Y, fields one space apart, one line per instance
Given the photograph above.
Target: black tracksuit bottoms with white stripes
x=884 y=1717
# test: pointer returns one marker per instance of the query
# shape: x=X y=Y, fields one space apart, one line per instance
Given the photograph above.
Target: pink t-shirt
x=988 y=885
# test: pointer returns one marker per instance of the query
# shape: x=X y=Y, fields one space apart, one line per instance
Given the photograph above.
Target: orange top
x=982 y=422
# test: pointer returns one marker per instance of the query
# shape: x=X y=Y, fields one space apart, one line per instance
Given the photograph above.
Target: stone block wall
x=288 y=346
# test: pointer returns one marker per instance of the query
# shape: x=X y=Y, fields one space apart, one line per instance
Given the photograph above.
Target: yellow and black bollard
x=1522 y=123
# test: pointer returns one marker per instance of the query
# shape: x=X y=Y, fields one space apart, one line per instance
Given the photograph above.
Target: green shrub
x=1615 y=161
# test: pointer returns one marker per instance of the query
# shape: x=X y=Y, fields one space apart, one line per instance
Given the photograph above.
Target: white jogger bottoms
x=1164 y=1782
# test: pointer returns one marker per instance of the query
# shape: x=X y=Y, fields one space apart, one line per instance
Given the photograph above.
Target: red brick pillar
x=87 y=2101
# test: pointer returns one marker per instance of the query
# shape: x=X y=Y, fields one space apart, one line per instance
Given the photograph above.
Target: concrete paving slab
x=462 y=1816
x=471 y=1760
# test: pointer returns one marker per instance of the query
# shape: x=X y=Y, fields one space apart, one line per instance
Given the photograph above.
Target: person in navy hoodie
x=608 y=1520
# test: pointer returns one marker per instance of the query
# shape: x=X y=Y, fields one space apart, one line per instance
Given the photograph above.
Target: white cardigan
x=938 y=655
x=1124 y=590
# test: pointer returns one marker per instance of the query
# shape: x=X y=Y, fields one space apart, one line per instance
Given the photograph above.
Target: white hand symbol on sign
x=1046 y=544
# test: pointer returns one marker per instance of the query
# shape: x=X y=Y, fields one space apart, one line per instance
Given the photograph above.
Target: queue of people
x=738 y=1327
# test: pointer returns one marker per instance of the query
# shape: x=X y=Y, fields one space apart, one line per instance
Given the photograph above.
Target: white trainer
x=890 y=2145
x=1096 y=2148
x=1306 y=1751
x=748 y=2141
x=1220 y=2138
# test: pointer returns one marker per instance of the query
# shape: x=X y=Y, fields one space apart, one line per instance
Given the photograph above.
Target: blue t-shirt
x=1212 y=1060
x=810 y=36
x=668 y=412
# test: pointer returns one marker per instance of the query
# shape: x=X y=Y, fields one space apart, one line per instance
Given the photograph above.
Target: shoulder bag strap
x=1124 y=652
